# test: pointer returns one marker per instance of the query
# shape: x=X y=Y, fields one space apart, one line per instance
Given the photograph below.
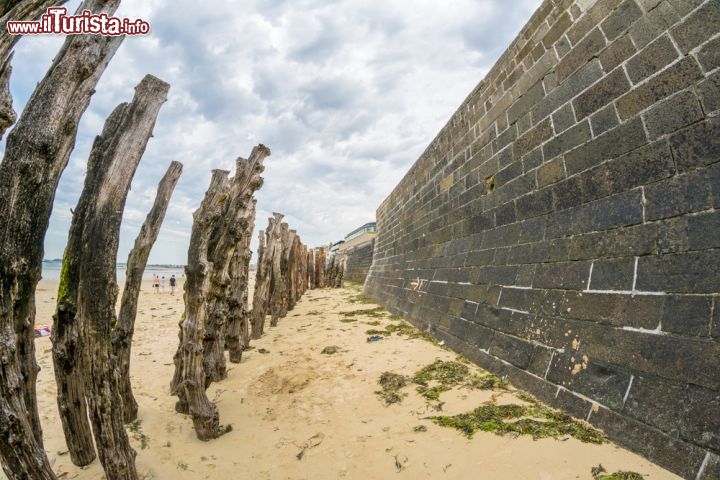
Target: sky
x=347 y=94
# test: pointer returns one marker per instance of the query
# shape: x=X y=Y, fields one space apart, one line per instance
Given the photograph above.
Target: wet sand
x=300 y=414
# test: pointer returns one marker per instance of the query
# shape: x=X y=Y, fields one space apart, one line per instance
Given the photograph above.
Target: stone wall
x=562 y=227
x=358 y=261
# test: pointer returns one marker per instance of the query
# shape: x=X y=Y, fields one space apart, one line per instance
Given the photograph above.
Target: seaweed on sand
x=537 y=421
x=391 y=384
x=441 y=376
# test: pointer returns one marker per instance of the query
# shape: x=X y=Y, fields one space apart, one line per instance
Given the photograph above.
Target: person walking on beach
x=156 y=284
x=162 y=284
x=173 y=282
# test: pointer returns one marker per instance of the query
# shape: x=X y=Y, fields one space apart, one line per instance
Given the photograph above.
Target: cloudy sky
x=347 y=94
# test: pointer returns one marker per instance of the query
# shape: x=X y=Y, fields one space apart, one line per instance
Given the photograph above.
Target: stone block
x=601 y=94
x=616 y=53
x=615 y=142
x=709 y=92
x=690 y=272
x=678 y=195
x=697 y=145
x=673 y=114
x=551 y=172
x=702 y=24
x=620 y=19
x=604 y=120
x=612 y=274
x=653 y=24
x=563 y=118
x=652 y=59
x=581 y=53
x=673 y=79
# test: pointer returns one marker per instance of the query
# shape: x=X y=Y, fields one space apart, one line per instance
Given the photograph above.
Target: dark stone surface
x=561 y=164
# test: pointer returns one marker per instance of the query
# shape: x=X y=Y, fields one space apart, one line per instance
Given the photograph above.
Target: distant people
x=162 y=284
x=156 y=284
x=173 y=282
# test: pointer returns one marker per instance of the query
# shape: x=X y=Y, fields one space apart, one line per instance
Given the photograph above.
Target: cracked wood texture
x=36 y=153
x=192 y=323
x=238 y=324
x=310 y=268
x=263 y=286
x=320 y=267
x=137 y=260
x=113 y=161
x=278 y=290
x=335 y=272
x=219 y=225
x=14 y=10
x=229 y=234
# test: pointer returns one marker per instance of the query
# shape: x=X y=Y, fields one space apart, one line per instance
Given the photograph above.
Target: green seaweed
x=419 y=428
x=403 y=329
x=377 y=312
x=136 y=430
x=599 y=473
x=391 y=384
x=446 y=375
x=536 y=420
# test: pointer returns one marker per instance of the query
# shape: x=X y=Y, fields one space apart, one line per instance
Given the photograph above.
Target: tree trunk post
x=36 y=153
x=27 y=10
x=311 y=268
x=189 y=379
x=113 y=161
x=218 y=226
x=320 y=268
x=263 y=284
x=278 y=293
x=137 y=260
x=238 y=328
x=232 y=231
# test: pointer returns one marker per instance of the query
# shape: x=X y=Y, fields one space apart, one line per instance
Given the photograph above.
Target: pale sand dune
x=294 y=396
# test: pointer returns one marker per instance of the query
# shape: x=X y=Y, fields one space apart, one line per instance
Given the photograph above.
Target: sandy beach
x=299 y=414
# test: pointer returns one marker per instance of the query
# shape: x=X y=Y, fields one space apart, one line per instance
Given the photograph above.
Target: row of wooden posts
x=91 y=343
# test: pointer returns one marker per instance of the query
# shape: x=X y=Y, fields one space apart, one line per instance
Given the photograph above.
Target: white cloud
x=347 y=94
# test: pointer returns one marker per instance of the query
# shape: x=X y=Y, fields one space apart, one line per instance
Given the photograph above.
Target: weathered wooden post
x=137 y=260
x=36 y=153
x=238 y=328
x=233 y=230
x=320 y=268
x=263 y=282
x=278 y=292
x=94 y=240
x=14 y=10
x=218 y=227
x=189 y=377
x=311 y=268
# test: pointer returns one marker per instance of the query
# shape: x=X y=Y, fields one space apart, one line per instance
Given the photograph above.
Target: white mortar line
x=636 y=266
x=587 y=419
x=656 y=331
x=515 y=310
x=625 y=292
x=627 y=392
x=592 y=265
x=703 y=466
x=552 y=355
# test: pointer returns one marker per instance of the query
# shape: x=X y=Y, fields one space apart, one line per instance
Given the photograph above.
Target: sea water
x=51 y=271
